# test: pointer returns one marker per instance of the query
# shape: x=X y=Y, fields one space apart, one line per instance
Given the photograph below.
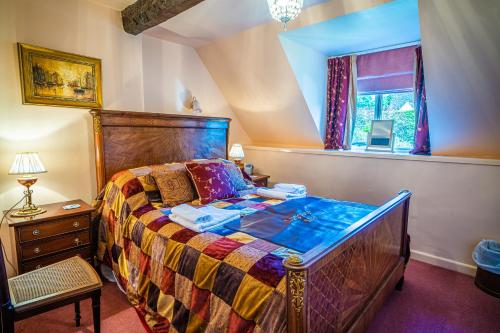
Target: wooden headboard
x=125 y=140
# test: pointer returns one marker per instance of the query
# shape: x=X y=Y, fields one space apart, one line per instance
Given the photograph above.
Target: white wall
x=461 y=49
x=453 y=206
x=311 y=72
x=63 y=136
x=173 y=74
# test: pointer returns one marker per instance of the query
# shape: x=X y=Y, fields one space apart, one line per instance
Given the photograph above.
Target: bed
x=231 y=281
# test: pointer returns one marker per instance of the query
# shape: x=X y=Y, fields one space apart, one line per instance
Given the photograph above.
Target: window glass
x=365 y=105
x=399 y=107
x=389 y=106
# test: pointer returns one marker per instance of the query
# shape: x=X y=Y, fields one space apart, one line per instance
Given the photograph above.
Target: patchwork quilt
x=183 y=281
x=230 y=279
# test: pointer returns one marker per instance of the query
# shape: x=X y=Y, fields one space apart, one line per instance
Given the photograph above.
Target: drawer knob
x=77 y=241
x=36 y=232
x=38 y=266
x=76 y=224
x=36 y=250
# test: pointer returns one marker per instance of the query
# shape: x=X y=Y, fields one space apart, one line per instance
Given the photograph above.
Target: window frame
x=377 y=112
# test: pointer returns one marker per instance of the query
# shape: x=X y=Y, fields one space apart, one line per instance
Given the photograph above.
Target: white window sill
x=361 y=153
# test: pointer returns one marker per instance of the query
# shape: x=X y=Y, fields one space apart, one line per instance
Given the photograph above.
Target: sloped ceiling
x=373 y=29
x=221 y=18
x=256 y=78
x=253 y=73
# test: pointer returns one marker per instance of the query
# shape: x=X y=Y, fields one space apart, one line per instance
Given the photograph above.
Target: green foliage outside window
x=396 y=106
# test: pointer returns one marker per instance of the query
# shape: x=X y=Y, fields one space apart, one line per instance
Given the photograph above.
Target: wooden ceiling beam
x=145 y=14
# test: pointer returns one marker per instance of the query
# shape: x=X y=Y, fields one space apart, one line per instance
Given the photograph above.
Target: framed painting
x=50 y=77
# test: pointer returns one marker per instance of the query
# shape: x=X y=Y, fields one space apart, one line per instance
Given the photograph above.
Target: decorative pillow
x=143 y=174
x=212 y=181
x=236 y=176
x=174 y=184
x=235 y=173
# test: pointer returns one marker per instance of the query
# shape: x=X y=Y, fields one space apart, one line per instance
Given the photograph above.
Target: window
x=397 y=106
x=385 y=92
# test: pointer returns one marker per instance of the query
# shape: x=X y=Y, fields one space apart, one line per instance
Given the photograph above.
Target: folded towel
x=290 y=188
x=191 y=214
x=219 y=214
x=201 y=227
x=272 y=193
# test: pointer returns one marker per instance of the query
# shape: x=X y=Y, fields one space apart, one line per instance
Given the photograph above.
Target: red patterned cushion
x=212 y=181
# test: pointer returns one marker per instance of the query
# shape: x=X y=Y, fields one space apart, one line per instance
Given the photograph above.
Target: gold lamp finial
x=26 y=165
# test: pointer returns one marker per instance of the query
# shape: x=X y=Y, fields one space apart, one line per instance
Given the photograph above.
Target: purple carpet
x=433 y=300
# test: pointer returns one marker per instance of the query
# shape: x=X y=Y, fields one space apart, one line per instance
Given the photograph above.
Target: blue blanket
x=301 y=224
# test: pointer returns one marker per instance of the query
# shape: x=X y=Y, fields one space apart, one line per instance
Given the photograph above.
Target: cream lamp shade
x=236 y=151
x=27 y=164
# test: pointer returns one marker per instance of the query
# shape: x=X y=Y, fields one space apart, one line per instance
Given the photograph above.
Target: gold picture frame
x=50 y=77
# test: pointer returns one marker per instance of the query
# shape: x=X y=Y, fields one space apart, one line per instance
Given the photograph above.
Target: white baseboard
x=443 y=262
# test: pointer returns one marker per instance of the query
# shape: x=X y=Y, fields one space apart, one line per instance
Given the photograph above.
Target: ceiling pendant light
x=285 y=11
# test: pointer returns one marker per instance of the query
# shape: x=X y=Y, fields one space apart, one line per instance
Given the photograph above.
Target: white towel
x=290 y=188
x=188 y=213
x=201 y=227
x=219 y=214
x=271 y=193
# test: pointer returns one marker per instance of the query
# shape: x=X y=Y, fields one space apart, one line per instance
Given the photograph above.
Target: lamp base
x=29 y=209
x=24 y=212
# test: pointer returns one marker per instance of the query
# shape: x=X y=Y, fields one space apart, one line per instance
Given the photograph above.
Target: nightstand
x=260 y=180
x=52 y=236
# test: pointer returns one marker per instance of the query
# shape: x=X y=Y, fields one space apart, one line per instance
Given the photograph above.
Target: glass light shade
x=285 y=10
x=27 y=164
x=236 y=151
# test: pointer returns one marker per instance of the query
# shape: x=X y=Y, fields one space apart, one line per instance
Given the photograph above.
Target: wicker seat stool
x=65 y=282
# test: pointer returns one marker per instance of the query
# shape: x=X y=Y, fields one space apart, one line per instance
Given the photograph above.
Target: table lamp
x=26 y=165
x=237 y=154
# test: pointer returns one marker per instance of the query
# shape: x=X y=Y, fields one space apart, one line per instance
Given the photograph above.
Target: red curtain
x=337 y=101
x=422 y=138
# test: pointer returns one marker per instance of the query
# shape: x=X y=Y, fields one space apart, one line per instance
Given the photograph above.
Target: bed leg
x=399 y=285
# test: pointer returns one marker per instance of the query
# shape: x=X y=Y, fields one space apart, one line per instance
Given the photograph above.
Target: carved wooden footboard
x=340 y=284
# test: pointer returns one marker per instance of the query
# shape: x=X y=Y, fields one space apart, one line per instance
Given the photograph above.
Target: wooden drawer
x=55 y=244
x=56 y=227
x=38 y=263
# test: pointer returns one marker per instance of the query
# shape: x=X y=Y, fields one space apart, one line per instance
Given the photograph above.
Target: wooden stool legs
x=77 y=314
x=96 y=311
